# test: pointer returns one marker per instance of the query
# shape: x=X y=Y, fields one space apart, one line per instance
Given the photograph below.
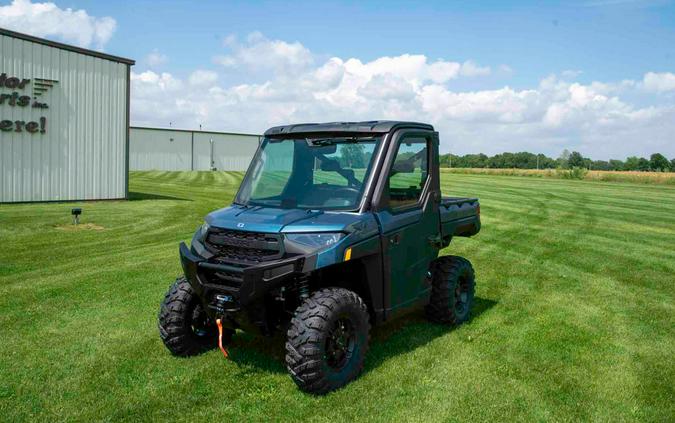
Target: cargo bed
x=459 y=217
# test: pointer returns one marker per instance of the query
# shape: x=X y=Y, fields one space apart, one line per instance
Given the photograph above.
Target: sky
x=596 y=76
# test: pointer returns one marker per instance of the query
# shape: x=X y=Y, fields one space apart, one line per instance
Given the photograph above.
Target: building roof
x=196 y=131
x=369 y=127
x=62 y=46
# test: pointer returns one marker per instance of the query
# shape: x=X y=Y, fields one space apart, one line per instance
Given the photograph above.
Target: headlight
x=202 y=231
x=198 y=241
x=316 y=240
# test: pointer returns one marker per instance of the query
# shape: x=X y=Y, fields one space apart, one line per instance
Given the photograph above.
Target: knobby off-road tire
x=452 y=290
x=184 y=327
x=327 y=340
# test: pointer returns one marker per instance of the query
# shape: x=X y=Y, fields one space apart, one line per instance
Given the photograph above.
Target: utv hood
x=275 y=220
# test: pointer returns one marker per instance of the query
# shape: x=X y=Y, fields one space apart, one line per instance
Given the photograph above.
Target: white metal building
x=175 y=149
x=64 y=121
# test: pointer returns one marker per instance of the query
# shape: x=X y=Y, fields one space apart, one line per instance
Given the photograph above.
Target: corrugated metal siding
x=166 y=149
x=82 y=155
x=152 y=149
x=230 y=152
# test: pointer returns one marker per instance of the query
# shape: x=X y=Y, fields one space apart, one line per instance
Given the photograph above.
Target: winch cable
x=220 y=338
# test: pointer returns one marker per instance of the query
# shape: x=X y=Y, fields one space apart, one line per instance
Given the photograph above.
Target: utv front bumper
x=227 y=288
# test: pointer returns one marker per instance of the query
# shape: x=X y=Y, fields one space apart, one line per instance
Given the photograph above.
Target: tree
x=576 y=160
x=616 y=165
x=546 y=162
x=632 y=163
x=473 y=160
x=353 y=156
x=567 y=160
x=659 y=163
x=587 y=163
x=445 y=159
x=563 y=160
x=481 y=160
x=525 y=160
x=502 y=161
x=600 y=165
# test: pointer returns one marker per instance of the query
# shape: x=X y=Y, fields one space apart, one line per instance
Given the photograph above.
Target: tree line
x=657 y=162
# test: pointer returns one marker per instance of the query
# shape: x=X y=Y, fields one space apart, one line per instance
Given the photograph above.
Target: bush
x=574 y=173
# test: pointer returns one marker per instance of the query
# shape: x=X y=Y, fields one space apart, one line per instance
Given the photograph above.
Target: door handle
x=395 y=239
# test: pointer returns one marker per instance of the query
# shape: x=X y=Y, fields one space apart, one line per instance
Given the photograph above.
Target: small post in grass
x=76 y=212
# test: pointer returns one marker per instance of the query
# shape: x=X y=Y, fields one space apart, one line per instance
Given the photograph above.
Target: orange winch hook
x=220 y=338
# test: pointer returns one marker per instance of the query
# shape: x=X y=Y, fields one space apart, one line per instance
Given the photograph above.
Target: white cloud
x=387 y=87
x=570 y=74
x=659 y=82
x=260 y=53
x=505 y=70
x=204 y=78
x=156 y=59
x=48 y=20
x=158 y=99
x=595 y=118
x=470 y=68
x=504 y=105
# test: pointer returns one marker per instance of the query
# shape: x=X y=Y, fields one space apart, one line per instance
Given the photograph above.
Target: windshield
x=319 y=173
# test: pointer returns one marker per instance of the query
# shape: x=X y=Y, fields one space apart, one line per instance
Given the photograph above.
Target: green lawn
x=574 y=320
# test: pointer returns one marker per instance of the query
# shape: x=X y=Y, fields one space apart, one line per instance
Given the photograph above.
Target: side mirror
x=403 y=167
x=329 y=149
x=330 y=166
x=322 y=147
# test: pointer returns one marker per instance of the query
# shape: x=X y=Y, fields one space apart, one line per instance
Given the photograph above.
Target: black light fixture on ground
x=76 y=212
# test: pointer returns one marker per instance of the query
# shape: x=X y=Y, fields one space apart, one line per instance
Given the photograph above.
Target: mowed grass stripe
x=573 y=321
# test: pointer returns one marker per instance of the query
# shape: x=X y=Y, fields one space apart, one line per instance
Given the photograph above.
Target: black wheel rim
x=340 y=344
x=462 y=297
x=199 y=322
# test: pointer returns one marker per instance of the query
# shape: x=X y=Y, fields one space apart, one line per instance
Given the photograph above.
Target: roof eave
x=67 y=47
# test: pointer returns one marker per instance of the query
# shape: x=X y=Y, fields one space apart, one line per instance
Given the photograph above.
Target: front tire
x=452 y=290
x=327 y=340
x=184 y=326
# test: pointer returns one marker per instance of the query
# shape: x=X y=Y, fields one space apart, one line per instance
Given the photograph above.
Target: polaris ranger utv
x=336 y=227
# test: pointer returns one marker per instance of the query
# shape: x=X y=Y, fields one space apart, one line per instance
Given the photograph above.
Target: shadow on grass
x=410 y=332
x=140 y=196
x=262 y=354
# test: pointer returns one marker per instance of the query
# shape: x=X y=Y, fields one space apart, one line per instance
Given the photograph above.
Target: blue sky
x=592 y=75
x=607 y=40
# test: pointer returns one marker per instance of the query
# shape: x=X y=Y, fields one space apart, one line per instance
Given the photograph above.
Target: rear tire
x=327 y=340
x=184 y=326
x=452 y=290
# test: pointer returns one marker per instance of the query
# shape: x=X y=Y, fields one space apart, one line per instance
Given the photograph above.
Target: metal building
x=175 y=149
x=64 y=121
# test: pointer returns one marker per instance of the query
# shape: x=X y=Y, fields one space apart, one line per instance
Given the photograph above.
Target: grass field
x=664 y=178
x=574 y=317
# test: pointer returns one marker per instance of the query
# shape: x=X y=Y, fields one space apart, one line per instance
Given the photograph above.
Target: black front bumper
x=237 y=286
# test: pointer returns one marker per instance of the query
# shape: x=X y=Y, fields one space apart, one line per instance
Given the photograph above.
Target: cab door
x=407 y=210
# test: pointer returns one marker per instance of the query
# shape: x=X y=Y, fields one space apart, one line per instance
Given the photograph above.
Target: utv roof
x=369 y=127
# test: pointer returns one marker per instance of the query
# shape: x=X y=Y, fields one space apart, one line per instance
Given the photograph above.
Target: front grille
x=243 y=247
x=224 y=278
